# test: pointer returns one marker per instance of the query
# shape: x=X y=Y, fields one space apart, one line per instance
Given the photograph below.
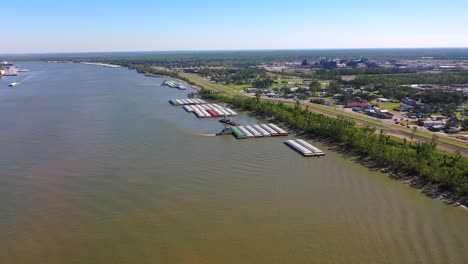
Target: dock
x=304 y=148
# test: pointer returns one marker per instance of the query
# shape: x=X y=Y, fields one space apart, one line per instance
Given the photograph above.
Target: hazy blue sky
x=30 y=26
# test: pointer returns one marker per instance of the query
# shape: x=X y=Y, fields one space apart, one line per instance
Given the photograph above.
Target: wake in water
x=208 y=135
x=29 y=75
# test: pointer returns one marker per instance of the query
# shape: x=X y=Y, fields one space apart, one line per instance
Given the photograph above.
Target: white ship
x=11 y=71
x=13 y=84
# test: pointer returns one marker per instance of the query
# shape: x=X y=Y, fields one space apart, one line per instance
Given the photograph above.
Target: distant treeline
x=406 y=79
x=243 y=58
x=448 y=171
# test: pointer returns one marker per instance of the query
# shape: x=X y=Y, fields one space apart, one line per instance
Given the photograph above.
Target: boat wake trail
x=208 y=135
x=29 y=76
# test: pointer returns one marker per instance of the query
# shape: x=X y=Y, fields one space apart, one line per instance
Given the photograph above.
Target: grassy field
x=239 y=87
x=389 y=106
x=198 y=80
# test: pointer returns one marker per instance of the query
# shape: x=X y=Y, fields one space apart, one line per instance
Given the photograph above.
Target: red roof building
x=357 y=104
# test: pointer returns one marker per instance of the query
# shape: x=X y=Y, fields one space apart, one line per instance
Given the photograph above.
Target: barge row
x=215 y=111
x=304 y=148
x=176 y=102
x=256 y=131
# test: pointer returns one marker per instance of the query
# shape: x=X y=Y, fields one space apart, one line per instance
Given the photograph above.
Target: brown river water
x=97 y=167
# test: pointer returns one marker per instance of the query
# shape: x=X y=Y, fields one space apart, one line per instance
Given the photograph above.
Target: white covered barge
x=304 y=148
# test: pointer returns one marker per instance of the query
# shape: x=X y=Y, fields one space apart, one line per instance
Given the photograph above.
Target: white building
x=383 y=100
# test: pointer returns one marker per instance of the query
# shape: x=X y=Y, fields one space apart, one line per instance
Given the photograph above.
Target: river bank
x=405 y=160
x=426 y=187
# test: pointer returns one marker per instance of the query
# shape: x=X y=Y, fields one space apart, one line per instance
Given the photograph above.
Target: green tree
x=465 y=124
x=297 y=105
x=257 y=95
x=314 y=87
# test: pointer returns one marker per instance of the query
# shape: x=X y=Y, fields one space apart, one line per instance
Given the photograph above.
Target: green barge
x=237 y=133
x=174 y=102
